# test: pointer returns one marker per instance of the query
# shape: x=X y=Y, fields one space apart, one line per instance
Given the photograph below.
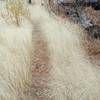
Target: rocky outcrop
x=85 y=12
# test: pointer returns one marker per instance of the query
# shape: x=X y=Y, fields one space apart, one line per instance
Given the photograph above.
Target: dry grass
x=16 y=10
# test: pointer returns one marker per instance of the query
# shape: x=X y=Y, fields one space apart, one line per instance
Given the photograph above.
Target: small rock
x=85 y=21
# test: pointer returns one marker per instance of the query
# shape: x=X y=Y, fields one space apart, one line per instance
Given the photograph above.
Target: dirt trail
x=40 y=62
